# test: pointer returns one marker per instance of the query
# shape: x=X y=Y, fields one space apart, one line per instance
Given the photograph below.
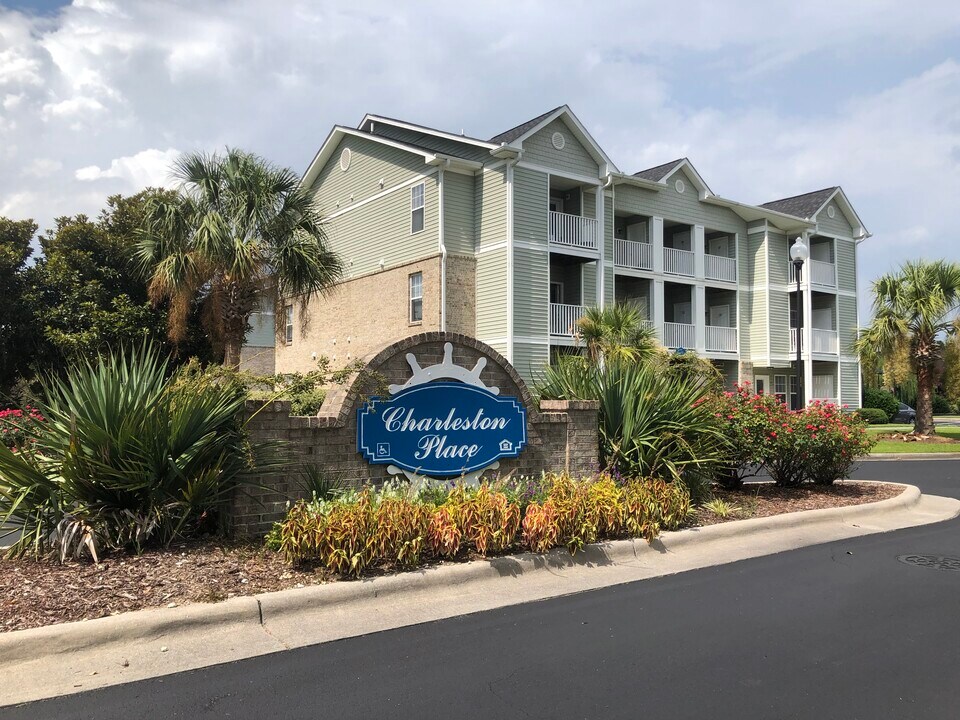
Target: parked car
x=905 y=414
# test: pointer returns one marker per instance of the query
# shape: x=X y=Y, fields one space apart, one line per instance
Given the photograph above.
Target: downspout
x=443 y=249
x=508 y=176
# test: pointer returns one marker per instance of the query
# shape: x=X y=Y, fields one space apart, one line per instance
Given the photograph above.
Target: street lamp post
x=798 y=255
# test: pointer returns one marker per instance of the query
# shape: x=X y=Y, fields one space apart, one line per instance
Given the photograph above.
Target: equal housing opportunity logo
x=443 y=422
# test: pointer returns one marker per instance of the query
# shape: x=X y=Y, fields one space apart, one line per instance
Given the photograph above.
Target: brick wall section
x=363 y=314
x=561 y=435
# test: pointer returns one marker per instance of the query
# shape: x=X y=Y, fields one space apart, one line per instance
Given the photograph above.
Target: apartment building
x=510 y=239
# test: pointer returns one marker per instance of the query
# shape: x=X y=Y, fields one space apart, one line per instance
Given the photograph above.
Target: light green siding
x=683 y=207
x=778 y=256
x=836 y=225
x=491 y=208
x=849 y=384
x=381 y=231
x=847 y=323
x=370 y=162
x=531 y=297
x=529 y=360
x=589 y=204
x=573 y=158
x=263 y=331
x=530 y=199
x=608 y=264
x=492 y=295
x=441 y=145
x=589 y=297
x=846 y=265
x=779 y=312
x=459 y=220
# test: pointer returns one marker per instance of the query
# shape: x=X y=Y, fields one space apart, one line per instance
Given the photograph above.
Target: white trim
x=702 y=188
x=422 y=208
x=510 y=299
x=846 y=207
x=425 y=130
x=766 y=263
x=491 y=247
x=585 y=179
x=579 y=131
x=443 y=252
x=382 y=193
x=527 y=245
x=530 y=340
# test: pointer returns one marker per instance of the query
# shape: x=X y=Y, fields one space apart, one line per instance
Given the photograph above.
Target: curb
x=912 y=456
x=259 y=610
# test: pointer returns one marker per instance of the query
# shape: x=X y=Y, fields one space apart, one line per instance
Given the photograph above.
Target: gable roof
x=659 y=172
x=368 y=119
x=512 y=134
x=809 y=205
x=806 y=205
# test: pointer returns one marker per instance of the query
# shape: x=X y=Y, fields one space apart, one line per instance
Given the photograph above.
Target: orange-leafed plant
x=488 y=520
x=444 y=535
x=400 y=529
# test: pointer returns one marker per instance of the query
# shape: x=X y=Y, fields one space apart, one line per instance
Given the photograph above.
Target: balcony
x=825 y=342
x=633 y=255
x=677 y=262
x=678 y=335
x=720 y=339
x=563 y=318
x=822 y=274
x=573 y=231
x=716 y=267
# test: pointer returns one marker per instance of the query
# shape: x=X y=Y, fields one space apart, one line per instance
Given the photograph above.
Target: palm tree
x=240 y=231
x=616 y=332
x=911 y=308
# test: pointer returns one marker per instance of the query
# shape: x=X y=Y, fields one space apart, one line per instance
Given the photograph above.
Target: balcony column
x=699 y=316
x=657 y=302
x=602 y=247
x=699 y=248
x=656 y=231
x=807 y=342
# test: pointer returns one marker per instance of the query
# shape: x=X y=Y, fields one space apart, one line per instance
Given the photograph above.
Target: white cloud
x=42 y=167
x=148 y=167
x=767 y=98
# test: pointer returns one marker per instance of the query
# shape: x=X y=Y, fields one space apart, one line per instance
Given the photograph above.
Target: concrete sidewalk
x=73 y=657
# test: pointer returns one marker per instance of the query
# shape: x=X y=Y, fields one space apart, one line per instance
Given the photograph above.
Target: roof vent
x=831 y=211
x=680 y=186
x=558 y=140
x=345 y=159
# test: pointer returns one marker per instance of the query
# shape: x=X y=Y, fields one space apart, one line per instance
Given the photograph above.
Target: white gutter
x=443 y=250
x=508 y=176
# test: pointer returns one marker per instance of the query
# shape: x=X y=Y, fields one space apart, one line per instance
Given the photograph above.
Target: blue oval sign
x=441 y=429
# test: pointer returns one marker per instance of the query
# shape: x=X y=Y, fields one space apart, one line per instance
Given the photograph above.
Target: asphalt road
x=842 y=630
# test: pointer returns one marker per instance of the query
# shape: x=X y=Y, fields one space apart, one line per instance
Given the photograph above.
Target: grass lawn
x=898 y=446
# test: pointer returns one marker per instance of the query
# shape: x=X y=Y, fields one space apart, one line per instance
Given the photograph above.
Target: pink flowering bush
x=818 y=444
x=16 y=426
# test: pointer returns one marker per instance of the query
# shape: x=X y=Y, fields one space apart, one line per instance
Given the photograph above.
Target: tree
x=951 y=369
x=240 y=229
x=16 y=314
x=89 y=292
x=616 y=332
x=912 y=308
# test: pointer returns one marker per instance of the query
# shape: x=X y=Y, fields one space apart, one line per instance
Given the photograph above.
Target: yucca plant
x=652 y=423
x=128 y=455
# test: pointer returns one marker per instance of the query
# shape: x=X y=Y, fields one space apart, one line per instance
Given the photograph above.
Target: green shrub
x=833 y=441
x=874 y=416
x=941 y=406
x=883 y=400
x=652 y=423
x=307 y=402
x=126 y=456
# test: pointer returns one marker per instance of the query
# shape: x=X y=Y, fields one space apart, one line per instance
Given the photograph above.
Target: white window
x=416 y=208
x=288 y=323
x=416 y=297
x=780 y=387
x=794 y=396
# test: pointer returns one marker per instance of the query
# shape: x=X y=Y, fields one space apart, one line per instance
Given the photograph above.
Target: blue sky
x=768 y=99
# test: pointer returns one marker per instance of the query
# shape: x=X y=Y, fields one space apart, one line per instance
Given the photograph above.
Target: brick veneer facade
x=561 y=435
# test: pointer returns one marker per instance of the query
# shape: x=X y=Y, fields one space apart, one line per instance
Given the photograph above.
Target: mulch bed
x=910 y=437
x=755 y=500
x=35 y=593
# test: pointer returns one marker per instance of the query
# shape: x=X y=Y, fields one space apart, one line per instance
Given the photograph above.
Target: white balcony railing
x=678 y=335
x=573 y=230
x=721 y=339
x=716 y=267
x=822 y=273
x=563 y=318
x=825 y=342
x=677 y=262
x=633 y=254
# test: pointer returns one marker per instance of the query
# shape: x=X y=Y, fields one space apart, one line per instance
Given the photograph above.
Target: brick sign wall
x=561 y=435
